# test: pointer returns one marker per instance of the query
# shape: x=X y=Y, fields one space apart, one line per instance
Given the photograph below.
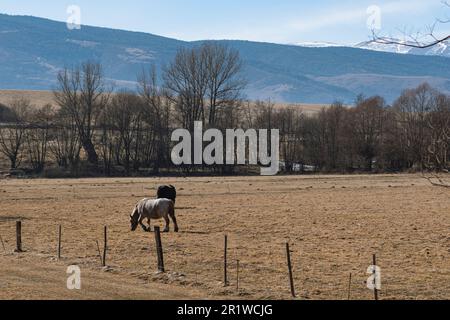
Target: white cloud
x=339 y=16
x=412 y=6
x=329 y=19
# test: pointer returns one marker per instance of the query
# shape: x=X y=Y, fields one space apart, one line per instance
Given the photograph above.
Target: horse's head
x=134 y=221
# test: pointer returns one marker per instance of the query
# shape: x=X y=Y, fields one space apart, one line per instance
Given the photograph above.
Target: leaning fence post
x=18 y=236
x=375 y=290
x=159 y=249
x=59 y=241
x=105 y=248
x=291 y=278
x=99 y=253
x=225 y=272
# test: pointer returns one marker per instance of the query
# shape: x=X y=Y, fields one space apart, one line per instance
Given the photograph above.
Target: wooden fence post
x=59 y=241
x=375 y=290
x=99 y=253
x=18 y=236
x=225 y=272
x=291 y=278
x=105 y=248
x=237 y=276
x=159 y=249
x=349 y=287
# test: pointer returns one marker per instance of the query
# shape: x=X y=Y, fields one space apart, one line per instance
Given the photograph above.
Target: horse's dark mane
x=135 y=215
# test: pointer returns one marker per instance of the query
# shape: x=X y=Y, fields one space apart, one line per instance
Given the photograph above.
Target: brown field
x=37 y=98
x=333 y=223
x=41 y=98
x=308 y=109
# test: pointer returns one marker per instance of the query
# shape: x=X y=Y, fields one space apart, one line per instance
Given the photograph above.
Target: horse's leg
x=167 y=228
x=174 y=219
x=143 y=225
x=149 y=221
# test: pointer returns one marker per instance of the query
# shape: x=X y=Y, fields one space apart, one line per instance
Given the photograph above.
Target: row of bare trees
x=26 y=132
x=94 y=130
x=128 y=131
x=412 y=134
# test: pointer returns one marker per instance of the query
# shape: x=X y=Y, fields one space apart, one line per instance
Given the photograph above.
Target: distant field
x=333 y=223
x=37 y=98
x=306 y=108
x=41 y=98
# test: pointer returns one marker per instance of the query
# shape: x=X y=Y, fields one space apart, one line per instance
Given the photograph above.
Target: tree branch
x=436 y=181
x=415 y=41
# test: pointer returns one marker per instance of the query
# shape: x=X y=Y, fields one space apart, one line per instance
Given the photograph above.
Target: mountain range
x=33 y=50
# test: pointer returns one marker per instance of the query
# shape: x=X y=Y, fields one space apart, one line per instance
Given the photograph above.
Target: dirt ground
x=333 y=223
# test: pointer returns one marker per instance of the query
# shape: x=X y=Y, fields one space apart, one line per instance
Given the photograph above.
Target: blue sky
x=282 y=21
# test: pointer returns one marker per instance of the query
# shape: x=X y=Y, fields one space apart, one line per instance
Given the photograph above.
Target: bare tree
x=204 y=81
x=367 y=122
x=438 y=151
x=64 y=144
x=185 y=80
x=333 y=140
x=314 y=137
x=423 y=116
x=412 y=108
x=289 y=120
x=37 y=136
x=264 y=114
x=6 y=115
x=108 y=142
x=438 y=122
x=82 y=95
x=13 y=135
x=224 y=86
x=124 y=115
x=156 y=113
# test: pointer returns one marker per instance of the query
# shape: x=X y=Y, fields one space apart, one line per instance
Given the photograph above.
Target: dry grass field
x=41 y=98
x=37 y=98
x=333 y=223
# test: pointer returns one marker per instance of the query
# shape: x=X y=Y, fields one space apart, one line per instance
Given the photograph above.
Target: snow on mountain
x=393 y=48
x=315 y=44
x=441 y=49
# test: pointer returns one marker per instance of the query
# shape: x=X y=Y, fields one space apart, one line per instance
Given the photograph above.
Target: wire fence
x=263 y=274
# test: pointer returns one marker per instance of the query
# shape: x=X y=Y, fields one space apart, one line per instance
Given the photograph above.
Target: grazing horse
x=167 y=192
x=153 y=209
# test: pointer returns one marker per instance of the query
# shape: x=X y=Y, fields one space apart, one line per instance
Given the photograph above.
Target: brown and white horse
x=153 y=209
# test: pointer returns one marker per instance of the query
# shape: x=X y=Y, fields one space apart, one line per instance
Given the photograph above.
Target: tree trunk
x=89 y=148
x=13 y=163
x=369 y=164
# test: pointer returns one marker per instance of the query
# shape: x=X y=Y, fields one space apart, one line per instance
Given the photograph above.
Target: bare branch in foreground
x=419 y=41
x=436 y=181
